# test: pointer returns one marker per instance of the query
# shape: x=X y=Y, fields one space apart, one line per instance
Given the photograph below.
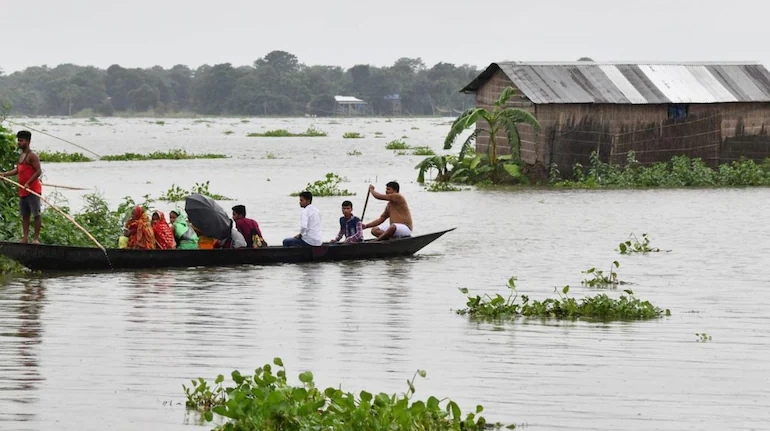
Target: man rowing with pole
x=29 y=171
x=396 y=210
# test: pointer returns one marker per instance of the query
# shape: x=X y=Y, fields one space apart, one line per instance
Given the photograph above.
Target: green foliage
x=500 y=118
x=270 y=156
x=267 y=402
x=437 y=186
x=104 y=224
x=680 y=171
x=9 y=194
x=635 y=246
x=10 y=268
x=311 y=132
x=177 y=194
x=352 y=135
x=423 y=151
x=396 y=145
x=326 y=187
x=175 y=154
x=599 y=307
x=600 y=279
x=702 y=337
x=62 y=157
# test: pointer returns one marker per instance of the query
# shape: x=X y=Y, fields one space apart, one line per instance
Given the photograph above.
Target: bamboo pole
x=55 y=137
x=63 y=187
x=67 y=216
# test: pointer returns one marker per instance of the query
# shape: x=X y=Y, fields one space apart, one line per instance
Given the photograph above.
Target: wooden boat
x=65 y=258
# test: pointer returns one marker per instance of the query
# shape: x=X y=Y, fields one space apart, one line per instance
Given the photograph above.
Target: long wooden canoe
x=65 y=258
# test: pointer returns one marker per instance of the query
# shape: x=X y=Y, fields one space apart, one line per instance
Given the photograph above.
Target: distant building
x=349 y=105
x=719 y=112
x=394 y=103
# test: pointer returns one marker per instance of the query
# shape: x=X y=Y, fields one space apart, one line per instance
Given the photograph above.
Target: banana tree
x=498 y=118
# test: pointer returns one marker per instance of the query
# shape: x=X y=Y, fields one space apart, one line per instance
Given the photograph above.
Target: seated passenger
x=164 y=237
x=310 y=224
x=138 y=230
x=185 y=236
x=350 y=226
x=249 y=228
x=235 y=240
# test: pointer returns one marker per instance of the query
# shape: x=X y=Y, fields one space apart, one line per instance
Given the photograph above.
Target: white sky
x=144 y=33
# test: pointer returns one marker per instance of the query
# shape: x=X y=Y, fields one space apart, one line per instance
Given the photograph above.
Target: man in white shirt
x=310 y=224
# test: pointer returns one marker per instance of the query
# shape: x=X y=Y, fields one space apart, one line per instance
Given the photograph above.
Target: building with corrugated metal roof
x=349 y=105
x=715 y=111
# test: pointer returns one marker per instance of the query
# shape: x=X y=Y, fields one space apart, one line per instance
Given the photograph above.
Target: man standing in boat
x=397 y=210
x=29 y=172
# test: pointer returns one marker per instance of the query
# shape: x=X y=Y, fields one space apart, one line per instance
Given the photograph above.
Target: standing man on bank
x=29 y=172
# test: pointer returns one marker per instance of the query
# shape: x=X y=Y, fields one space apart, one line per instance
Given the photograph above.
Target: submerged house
x=719 y=112
x=349 y=105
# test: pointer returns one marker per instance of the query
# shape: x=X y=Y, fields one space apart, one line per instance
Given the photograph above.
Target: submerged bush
x=680 y=171
x=311 y=132
x=176 y=154
x=267 y=402
x=599 y=307
x=326 y=187
x=62 y=157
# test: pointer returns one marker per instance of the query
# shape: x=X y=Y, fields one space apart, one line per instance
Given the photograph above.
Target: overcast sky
x=144 y=33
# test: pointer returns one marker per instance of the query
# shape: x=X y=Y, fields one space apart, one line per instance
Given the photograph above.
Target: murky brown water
x=111 y=351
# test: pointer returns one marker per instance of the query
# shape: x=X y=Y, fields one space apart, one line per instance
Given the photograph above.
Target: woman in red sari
x=164 y=236
x=139 y=231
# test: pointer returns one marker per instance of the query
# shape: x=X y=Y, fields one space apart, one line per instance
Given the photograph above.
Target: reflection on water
x=110 y=350
x=21 y=330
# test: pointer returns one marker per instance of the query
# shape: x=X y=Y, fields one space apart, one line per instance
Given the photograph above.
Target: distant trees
x=276 y=84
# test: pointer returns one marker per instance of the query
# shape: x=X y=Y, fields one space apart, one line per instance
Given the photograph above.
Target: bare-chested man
x=396 y=210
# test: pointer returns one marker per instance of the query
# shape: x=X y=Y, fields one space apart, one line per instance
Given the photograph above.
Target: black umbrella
x=207 y=216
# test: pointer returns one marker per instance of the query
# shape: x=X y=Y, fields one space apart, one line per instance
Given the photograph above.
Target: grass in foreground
x=599 y=307
x=267 y=402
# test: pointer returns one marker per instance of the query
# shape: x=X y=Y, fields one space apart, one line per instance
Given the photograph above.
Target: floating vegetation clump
x=354 y=153
x=177 y=194
x=599 y=307
x=636 y=246
x=423 y=151
x=437 y=186
x=176 y=154
x=311 y=132
x=600 y=279
x=680 y=171
x=267 y=402
x=326 y=187
x=396 y=145
x=352 y=135
x=62 y=157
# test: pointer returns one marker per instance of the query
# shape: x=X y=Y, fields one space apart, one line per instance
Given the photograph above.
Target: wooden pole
x=63 y=187
x=67 y=216
x=366 y=202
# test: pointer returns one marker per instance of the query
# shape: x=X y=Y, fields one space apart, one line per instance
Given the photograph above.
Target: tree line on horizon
x=276 y=84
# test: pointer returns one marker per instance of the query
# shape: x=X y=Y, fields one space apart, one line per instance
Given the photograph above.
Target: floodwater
x=112 y=350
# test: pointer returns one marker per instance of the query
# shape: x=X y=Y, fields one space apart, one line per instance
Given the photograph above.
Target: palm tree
x=500 y=117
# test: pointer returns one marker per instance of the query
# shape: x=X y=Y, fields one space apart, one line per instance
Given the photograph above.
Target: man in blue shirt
x=350 y=225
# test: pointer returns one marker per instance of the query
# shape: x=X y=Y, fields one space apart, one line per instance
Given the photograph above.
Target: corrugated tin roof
x=634 y=83
x=348 y=99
